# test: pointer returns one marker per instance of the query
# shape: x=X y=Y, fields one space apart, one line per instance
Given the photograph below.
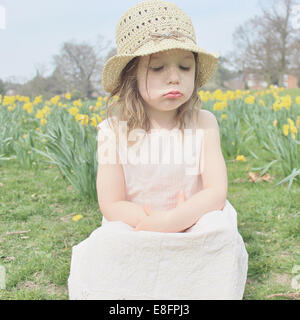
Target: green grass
x=292 y=92
x=37 y=262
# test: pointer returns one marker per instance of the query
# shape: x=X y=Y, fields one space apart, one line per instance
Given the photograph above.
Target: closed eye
x=160 y=68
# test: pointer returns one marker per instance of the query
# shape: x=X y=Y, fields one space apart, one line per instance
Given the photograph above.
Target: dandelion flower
x=240 y=158
x=77 y=217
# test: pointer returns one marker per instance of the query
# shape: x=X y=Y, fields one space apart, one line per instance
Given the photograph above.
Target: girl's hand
x=157 y=220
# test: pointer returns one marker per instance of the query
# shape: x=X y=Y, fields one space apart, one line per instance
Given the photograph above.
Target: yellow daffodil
x=99 y=119
x=277 y=106
x=99 y=104
x=46 y=111
x=8 y=100
x=83 y=118
x=43 y=122
x=28 y=106
x=68 y=96
x=275 y=123
x=77 y=103
x=73 y=111
x=250 y=100
x=298 y=100
x=220 y=105
x=93 y=122
x=37 y=100
x=224 y=116
x=291 y=122
x=293 y=130
x=39 y=114
x=286 y=101
x=285 y=129
x=54 y=100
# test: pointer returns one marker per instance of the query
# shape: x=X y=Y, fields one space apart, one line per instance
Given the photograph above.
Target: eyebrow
x=186 y=57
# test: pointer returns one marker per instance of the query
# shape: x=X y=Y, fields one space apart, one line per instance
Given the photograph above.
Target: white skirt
x=207 y=261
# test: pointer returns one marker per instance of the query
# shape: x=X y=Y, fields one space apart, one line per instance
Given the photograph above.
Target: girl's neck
x=163 y=120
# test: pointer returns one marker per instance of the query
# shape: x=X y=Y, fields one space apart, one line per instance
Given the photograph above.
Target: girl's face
x=168 y=71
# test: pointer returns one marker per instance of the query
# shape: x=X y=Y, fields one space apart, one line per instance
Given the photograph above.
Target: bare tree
x=80 y=65
x=2 y=87
x=267 y=44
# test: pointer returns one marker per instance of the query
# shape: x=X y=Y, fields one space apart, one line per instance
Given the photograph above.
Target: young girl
x=168 y=231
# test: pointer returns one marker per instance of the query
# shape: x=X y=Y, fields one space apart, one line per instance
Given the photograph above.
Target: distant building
x=11 y=92
x=236 y=83
x=290 y=81
x=255 y=82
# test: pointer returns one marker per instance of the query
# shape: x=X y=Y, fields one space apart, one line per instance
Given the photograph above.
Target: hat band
x=162 y=36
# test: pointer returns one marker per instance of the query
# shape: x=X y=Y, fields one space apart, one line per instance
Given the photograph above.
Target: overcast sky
x=36 y=29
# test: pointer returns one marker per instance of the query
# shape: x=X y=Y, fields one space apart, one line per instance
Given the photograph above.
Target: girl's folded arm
x=111 y=193
x=214 y=179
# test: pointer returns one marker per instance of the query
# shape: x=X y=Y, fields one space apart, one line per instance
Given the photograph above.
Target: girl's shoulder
x=107 y=123
x=206 y=119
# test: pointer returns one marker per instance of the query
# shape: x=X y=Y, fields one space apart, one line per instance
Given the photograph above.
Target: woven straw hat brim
x=207 y=62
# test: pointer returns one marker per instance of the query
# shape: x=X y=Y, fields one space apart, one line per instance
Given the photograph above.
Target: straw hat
x=152 y=26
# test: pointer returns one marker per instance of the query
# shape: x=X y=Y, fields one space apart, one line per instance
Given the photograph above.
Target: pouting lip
x=173 y=92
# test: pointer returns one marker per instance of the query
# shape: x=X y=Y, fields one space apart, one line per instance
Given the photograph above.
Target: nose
x=173 y=75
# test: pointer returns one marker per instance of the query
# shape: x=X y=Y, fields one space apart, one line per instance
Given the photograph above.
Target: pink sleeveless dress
x=207 y=261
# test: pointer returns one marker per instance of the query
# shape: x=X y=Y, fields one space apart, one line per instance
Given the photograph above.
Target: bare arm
x=214 y=177
x=111 y=192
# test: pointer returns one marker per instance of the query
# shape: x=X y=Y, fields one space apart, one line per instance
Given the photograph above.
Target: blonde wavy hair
x=129 y=106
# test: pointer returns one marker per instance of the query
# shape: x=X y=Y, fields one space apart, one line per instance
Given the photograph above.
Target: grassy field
x=37 y=261
x=41 y=204
x=292 y=92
